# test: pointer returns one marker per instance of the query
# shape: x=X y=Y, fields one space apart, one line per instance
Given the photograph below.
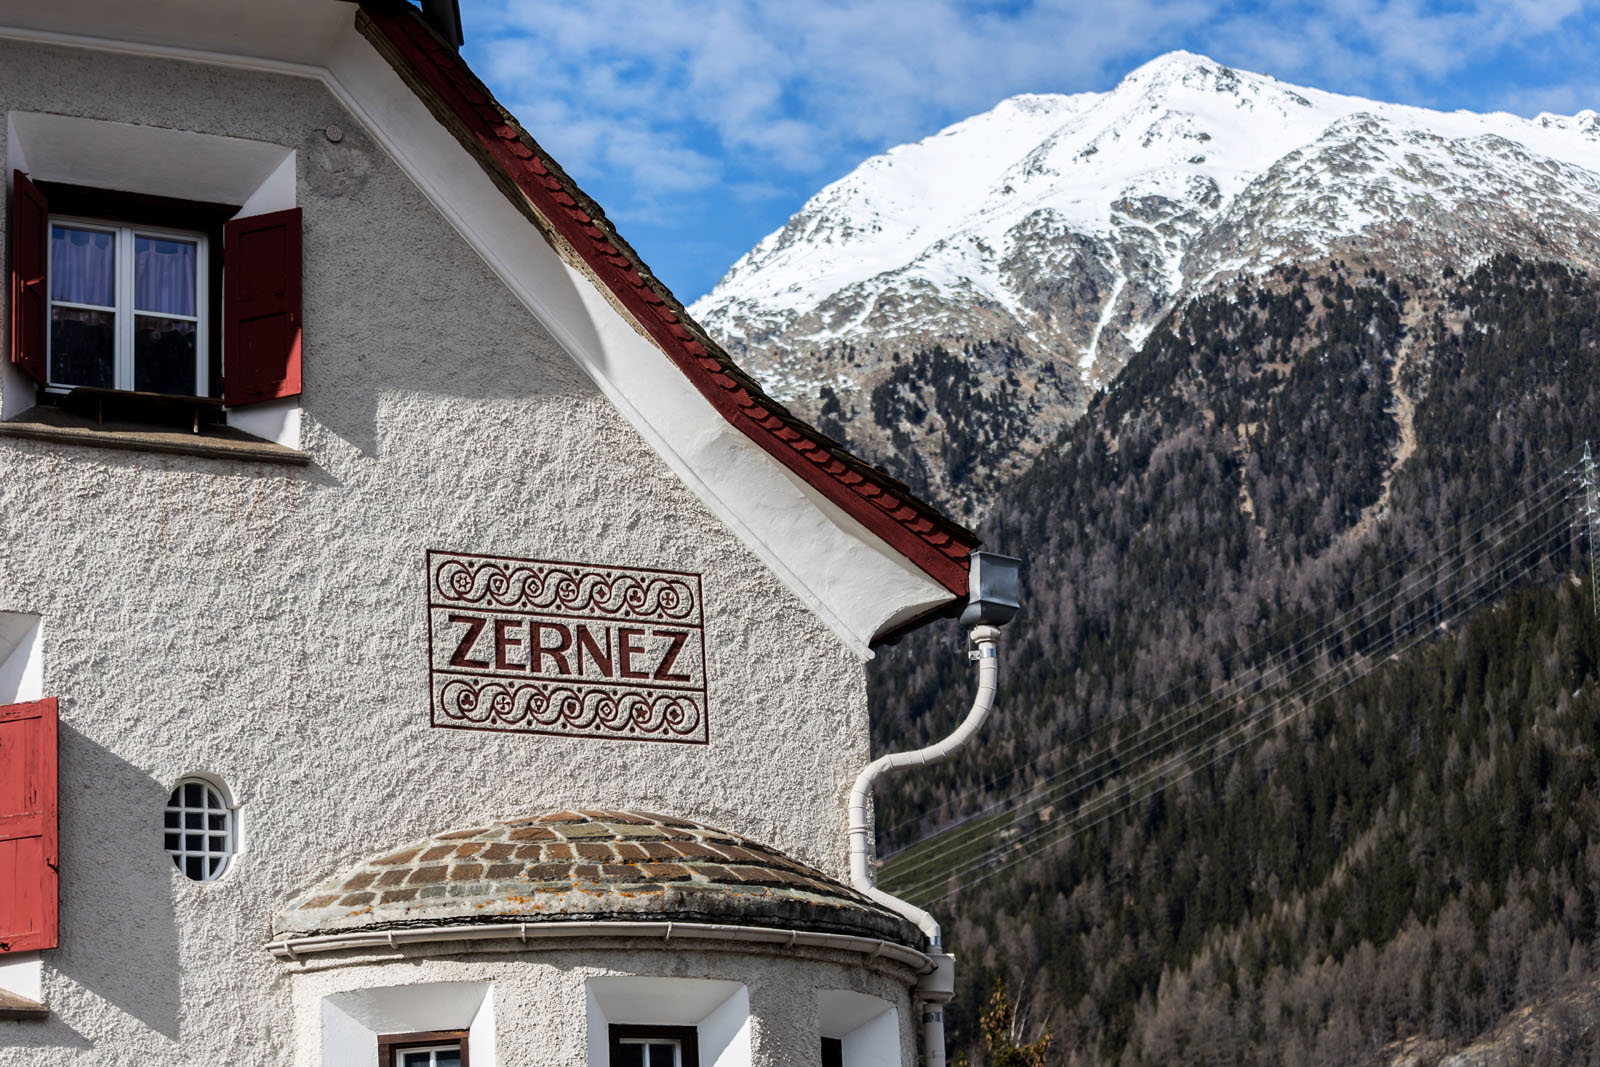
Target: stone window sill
x=18 y=1007
x=216 y=442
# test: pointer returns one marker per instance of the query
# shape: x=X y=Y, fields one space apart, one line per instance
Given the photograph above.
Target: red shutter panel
x=30 y=254
x=28 y=880
x=261 y=308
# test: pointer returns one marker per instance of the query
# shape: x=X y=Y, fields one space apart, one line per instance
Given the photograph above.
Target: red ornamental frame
x=635 y=634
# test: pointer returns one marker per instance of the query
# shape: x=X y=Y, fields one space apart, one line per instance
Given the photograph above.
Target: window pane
x=447 y=1058
x=663 y=1054
x=194 y=867
x=81 y=347
x=82 y=266
x=172 y=820
x=192 y=820
x=163 y=356
x=192 y=794
x=163 y=275
x=630 y=1056
x=172 y=843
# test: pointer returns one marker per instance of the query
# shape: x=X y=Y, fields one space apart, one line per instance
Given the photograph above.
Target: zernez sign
x=534 y=646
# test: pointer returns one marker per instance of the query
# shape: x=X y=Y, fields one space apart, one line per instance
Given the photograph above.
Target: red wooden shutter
x=30 y=254
x=28 y=880
x=261 y=308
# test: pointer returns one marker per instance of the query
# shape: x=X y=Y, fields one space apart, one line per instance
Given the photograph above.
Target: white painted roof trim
x=852 y=580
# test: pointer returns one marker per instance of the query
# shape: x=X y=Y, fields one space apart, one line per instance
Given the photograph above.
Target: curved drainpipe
x=991 y=602
x=936 y=987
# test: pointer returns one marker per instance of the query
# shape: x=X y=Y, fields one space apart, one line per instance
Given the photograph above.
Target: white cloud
x=681 y=95
x=659 y=87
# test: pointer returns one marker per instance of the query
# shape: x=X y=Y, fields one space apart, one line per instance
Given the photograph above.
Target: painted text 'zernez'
x=535 y=646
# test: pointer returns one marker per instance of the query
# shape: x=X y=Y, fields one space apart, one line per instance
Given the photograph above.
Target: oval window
x=199 y=829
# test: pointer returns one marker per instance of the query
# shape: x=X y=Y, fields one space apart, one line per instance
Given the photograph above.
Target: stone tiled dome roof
x=587 y=865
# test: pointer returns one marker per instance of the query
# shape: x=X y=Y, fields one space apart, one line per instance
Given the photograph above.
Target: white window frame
x=124 y=235
x=403 y=1054
x=654 y=1042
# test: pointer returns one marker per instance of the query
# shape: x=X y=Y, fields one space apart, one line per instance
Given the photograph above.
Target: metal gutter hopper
x=993 y=585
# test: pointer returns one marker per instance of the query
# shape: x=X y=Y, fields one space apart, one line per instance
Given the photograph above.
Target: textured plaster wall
x=540 y=996
x=266 y=624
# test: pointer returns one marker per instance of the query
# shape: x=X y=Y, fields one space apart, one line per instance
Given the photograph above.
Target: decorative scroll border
x=567 y=711
x=560 y=708
x=544 y=586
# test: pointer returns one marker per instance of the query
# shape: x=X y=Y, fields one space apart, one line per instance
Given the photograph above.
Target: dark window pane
x=215 y=864
x=172 y=820
x=194 y=867
x=218 y=822
x=163 y=356
x=83 y=266
x=194 y=842
x=192 y=795
x=163 y=275
x=213 y=800
x=629 y=1056
x=447 y=1058
x=82 y=347
x=172 y=842
x=832 y=1052
x=192 y=820
x=219 y=843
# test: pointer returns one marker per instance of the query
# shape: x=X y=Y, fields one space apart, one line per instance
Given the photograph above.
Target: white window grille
x=200 y=830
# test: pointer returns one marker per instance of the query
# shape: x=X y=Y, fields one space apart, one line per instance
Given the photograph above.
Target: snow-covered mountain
x=1015 y=260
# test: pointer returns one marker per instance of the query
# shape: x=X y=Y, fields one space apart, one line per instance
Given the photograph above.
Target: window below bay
x=654 y=1046
x=436 y=1048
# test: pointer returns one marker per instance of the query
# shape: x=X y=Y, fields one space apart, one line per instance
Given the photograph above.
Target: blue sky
x=701 y=125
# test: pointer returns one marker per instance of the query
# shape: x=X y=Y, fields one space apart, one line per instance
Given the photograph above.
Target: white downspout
x=937 y=987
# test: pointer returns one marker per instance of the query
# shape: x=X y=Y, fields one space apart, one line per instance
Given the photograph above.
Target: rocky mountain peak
x=1036 y=245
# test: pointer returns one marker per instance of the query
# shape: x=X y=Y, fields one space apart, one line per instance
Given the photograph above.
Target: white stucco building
x=418 y=642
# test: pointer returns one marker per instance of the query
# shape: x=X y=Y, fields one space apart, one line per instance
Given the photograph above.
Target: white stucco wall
x=266 y=624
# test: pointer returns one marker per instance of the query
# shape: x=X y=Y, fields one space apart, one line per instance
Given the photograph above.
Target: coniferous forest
x=1297 y=758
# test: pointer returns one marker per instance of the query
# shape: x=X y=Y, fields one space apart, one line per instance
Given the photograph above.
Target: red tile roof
x=571 y=866
x=538 y=187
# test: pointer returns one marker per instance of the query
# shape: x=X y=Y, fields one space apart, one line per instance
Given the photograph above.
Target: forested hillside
x=1336 y=502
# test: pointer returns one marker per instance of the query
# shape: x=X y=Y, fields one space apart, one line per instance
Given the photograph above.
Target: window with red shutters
x=30 y=251
x=28 y=863
x=261 y=308
x=118 y=318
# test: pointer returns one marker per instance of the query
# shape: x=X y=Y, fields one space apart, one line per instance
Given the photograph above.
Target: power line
x=1144 y=746
x=1244 y=727
x=1099 y=808
x=1071 y=827
x=1135 y=782
x=1297 y=652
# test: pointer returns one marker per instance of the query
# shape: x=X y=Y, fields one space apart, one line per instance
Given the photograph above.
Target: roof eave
x=543 y=193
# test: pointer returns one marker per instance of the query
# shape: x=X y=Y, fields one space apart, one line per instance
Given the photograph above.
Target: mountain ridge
x=1051 y=234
